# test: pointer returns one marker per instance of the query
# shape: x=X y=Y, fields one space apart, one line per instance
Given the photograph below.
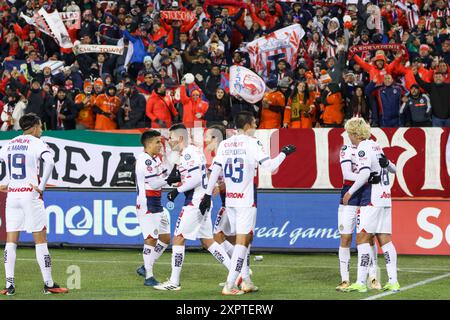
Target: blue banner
x=285 y=220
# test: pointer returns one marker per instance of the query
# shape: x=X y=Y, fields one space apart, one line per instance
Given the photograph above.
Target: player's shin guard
x=390 y=256
x=373 y=266
x=228 y=247
x=45 y=263
x=177 y=263
x=219 y=253
x=363 y=262
x=245 y=272
x=148 y=261
x=10 y=262
x=237 y=261
x=344 y=263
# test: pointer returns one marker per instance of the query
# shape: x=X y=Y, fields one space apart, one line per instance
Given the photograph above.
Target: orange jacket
x=160 y=108
x=373 y=71
x=271 y=119
x=408 y=73
x=86 y=115
x=191 y=108
x=110 y=105
x=296 y=110
x=333 y=111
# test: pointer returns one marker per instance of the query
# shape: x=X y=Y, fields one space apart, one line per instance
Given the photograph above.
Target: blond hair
x=358 y=128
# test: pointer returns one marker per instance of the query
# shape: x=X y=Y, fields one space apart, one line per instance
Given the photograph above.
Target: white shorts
x=374 y=220
x=242 y=219
x=192 y=225
x=153 y=224
x=222 y=223
x=347 y=219
x=25 y=215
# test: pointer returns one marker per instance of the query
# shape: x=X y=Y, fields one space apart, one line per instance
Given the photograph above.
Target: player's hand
x=374 y=178
x=4 y=188
x=346 y=198
x=171 y=196
x=205 y=204
x=36 y=189
x=384 y=162
x=174 y=176
x=287 y=150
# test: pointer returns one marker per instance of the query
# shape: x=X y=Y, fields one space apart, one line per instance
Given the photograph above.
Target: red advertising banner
x=421 y=226
x=418 y=153
x=2 y=217
x=178 y=15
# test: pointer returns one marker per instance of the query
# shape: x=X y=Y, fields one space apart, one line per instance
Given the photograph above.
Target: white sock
x=177 y=264
x=10 y=262
x=390 y=256
x=228 y=247
x=148 y=261
x=363 y=262
x=45 y=263
x=159 y=249
x=220 y=254
x=344 y=263
x=373 y=267
x=237 y=261
x=245 y=272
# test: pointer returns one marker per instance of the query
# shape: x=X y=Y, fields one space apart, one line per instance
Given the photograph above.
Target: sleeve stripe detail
x=265 y=159
x=216 y=163
x=194 y=168
x=347 y=160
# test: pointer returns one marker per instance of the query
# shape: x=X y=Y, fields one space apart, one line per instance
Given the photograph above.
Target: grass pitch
x=111 y=274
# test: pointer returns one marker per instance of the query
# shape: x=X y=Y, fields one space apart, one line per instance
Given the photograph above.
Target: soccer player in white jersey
x=24 y=205
x=347 y=220
x=191 y=224
x=151 y=176
x=375 y=216
x=223 y=234
x=237 y=159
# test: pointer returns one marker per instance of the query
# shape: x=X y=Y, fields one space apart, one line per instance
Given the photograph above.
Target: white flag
x=246 y=84
x=57 y=27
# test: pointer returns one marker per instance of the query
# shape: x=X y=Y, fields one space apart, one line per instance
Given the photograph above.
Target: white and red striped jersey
x=22 y=157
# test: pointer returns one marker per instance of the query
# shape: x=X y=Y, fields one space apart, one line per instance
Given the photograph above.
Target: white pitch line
x=414 y=285
x=256 y=264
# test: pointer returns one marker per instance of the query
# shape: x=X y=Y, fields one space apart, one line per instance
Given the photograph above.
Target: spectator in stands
x=300 y=110
x=272 y=109
x=332 y=113
x=62 y=113
x=359 y=106
x=416 y=108
x=38 y=102
x=160 y=109
x=219 y=110
x=85 y=102
x=106 y=107
x=12 y=112
x=131 y=114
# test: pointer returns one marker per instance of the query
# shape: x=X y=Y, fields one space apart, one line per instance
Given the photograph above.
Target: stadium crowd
x=178 y=70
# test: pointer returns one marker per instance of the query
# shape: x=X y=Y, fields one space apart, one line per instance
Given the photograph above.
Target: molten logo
x=235 y=195
x=23 y=189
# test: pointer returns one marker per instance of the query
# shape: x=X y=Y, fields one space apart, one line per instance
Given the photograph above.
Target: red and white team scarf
x=373 y=47
x=412 y=12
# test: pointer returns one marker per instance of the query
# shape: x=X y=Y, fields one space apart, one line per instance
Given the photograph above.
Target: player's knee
x=346 y=240
x=178 y=240
x=219 y=237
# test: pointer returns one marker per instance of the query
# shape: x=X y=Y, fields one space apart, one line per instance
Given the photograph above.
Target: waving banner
x=86 y=48
x=178 y=15
x=281 y=44
x=72 y=19
x=246 y=84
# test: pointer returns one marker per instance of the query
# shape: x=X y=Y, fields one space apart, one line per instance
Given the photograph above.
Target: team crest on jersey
x=155 y=231
x=259 y=143
x=361 y=154
x=148 y=162
x=187 y=157
x=344 y=147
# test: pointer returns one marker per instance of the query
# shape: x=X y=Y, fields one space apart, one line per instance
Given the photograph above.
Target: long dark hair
x=305 y=93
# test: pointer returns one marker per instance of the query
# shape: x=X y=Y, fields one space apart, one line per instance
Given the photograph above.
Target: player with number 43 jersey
x=24 y=205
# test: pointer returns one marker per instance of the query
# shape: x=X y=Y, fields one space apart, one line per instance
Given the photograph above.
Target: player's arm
x=364 y=163
x=49 y=164
x=205 y=204
x=191 y=179
x=140 y=181
x=347 y=173
x=156 y=181
x=386 y=164
x=272 y=164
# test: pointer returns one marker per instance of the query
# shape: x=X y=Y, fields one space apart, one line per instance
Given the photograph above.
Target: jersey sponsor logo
x=361 y=154
x=235 y=195
x=23 y=189
x=259 y=143
x=187 y=157
x=148 y=162
x=385 y=195
x=234 y=144
x=344 y=148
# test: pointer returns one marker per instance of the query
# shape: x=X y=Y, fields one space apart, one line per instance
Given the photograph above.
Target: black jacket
x=137 y=116
x=69 y=110
x=439 y=96
x=38 y=103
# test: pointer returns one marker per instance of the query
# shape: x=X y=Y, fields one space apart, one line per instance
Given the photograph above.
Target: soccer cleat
x=10 y=291
x=247 y=286
x=342 y=286
x=168 y=286
x=151 y=282
x=55 y=289
x=356 y=287
x=394 y=287
x=141 y=271
x=374 y=284
x=231 y=291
